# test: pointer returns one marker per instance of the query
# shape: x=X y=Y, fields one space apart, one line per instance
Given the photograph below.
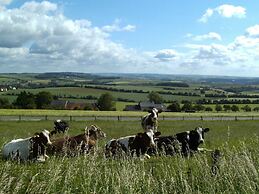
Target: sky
x=200 y=37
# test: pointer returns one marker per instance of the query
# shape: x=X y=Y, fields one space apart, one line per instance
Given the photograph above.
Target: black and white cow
x=138 y=144
x=186 y=142
x=32 y=148
x=60 y=126
x=150 y=121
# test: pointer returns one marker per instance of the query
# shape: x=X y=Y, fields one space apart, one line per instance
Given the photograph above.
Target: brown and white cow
x=81 y=143
x=150 y=121
x=32 y=148
x=138 y=144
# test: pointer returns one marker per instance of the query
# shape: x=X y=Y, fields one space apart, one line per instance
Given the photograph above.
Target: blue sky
x=174 y=37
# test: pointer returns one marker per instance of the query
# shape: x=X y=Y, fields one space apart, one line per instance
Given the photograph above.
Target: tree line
x=192 y=107
x=232 y=95
x=43 y=99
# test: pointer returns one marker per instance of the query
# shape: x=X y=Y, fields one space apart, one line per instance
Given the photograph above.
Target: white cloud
x=166 y=55
x=215 y=54
x=253 y=31
x=226 y=11
x=245 y=42
x=115 y=27
x=209 y=36
x=239 y=57
x=209 y=12
x=40 y=8
x=231 y=11
x=38 y=37
x=5 y=2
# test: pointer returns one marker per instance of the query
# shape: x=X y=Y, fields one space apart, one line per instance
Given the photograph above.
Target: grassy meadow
x=238 y=166
x=82 y=113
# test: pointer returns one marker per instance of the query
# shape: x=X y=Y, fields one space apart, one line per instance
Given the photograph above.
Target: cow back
x=18 y=149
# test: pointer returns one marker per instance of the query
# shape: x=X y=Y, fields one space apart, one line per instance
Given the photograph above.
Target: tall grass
x=237 y=171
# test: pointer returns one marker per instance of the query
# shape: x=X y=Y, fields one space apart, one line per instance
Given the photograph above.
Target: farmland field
x=238 y=168
x=127 y=89
x=237 y=141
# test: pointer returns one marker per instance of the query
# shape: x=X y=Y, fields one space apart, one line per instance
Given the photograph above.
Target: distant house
x=145 y=106
x=4 y=88
x=58 y=104
x=75 y=105
x=131 y=108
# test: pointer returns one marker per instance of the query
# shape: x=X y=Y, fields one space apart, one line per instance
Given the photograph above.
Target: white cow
x=31 y=148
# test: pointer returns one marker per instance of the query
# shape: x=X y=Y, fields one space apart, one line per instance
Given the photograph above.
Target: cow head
x=154 y=113
x=198 y=134
x=96 y=131
x=42 y=138
x=148 y=138
x=194 y=137
x=61 y=126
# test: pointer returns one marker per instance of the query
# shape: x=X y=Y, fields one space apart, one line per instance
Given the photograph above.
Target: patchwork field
x=128 y=89
x=238 y=166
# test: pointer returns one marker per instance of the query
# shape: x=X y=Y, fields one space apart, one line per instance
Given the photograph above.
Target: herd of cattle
x=149 y=142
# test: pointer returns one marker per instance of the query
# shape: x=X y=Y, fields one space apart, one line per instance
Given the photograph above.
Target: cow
x=60 y=126
x=185 y=143
x=29 y=149
x=150 y=121
x=138 y=144
x=79 y=144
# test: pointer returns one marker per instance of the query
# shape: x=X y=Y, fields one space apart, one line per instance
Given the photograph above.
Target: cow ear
x=150 y=111
x=36 y=135
x=159 y=111
x=95 y=128
x=157 y=133
x=139 y=134
x=86 y=130
x=206 y=129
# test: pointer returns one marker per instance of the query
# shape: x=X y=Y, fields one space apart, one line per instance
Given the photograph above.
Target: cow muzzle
x=152 y=145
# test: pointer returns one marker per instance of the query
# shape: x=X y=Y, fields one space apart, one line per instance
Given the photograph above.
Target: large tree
x=174 y=107
x=218 y=108
x=234 y=108
x=4 y=103
x=187 y=106
x=226 y=107
x=25 y=100
x=43 y=99
x=105 y=102
x=246 y=108
x=155 y=97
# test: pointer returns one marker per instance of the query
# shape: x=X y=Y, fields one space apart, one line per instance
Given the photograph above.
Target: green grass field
x=81 y=92
x=239 y=165
x=42 y=112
